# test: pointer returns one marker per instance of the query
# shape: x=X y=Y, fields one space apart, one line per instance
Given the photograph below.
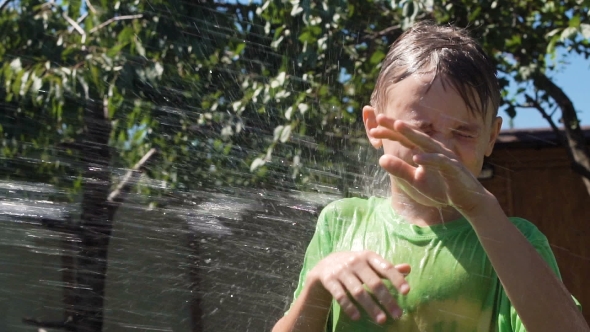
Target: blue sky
x=573 y=77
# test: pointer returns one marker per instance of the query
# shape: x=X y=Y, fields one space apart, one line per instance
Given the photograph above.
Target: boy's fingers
x=359 y=293
x=397 y=167
x=407 y=135
x=419 y=138
x=438 y=161
x=381 y=293
x=404 y=268
x=387 y=270
x=385 y=121
x=339 y=294
x=386 y=133
x=386 y=130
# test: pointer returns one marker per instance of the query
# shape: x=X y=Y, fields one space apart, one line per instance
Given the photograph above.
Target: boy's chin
x=408 y=194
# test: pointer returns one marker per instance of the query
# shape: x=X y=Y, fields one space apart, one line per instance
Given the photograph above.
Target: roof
x=535 y=137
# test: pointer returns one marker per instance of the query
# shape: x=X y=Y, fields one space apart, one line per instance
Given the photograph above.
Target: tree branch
x=576 y=141
x=4 y=4
x=90 y=6
x=74 y=25
x=82 y=18
x=78 y=28
x=392 y=29
x=125 y=185
x=535 y=104
x=575 y=165
x=381 y=33
x=118 y=18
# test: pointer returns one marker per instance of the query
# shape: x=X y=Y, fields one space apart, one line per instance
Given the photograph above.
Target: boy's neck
x=418 y=214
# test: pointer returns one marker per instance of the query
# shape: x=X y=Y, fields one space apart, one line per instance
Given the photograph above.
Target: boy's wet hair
x=448 y=52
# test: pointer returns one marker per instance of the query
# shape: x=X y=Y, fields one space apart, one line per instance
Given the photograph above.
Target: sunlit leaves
x=282 y=133
x=246 y=92
x=377 y=57
x=258 y=162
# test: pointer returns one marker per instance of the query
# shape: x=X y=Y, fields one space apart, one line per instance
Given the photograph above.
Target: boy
x=440 y=255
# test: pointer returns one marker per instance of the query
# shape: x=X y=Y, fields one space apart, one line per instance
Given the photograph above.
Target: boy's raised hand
x=345 y=274
x=440 y=175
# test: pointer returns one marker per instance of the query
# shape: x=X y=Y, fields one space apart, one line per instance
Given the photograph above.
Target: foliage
x=213 y=84
x=144 y=63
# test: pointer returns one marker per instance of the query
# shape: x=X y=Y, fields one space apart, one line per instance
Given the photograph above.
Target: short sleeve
x=319 y=247
x=508 y=320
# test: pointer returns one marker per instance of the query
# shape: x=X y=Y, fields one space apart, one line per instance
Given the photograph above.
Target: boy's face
x=441 y=113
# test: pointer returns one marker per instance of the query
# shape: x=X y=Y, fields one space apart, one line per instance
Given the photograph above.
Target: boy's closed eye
x=424 y=127
x=464 y=134
x=462 y=131
x=466 y=131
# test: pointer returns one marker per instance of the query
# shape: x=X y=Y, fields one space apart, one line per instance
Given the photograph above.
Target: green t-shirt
x=453 y=286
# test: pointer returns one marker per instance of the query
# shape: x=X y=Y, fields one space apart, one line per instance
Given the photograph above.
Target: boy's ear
x=370 y=121
x=496 y=126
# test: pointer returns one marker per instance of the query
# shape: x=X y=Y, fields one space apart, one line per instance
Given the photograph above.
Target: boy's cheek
x=398 y=150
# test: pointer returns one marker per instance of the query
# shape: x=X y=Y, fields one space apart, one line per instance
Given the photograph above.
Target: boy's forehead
x=419 y=98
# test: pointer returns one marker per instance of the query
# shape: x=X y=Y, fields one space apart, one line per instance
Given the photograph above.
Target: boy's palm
x=440 y=178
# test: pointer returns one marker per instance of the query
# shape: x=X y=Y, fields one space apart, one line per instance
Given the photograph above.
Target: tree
x=85 y=94
x=340 y=44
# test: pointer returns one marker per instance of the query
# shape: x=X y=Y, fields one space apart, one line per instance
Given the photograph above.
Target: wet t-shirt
x=453 y=286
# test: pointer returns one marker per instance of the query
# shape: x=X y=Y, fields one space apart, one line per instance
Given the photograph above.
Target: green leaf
x=16 y=64
x=553 y=32
x=285 y=134
x=574 y=21
x=112 y=52
x=139 y=47
x=126 y=35
x=475 y=14
x=377 y=57
x=258 y=162
x=302 y=108
x=516 y=40
x=277 y=133
x=511 y=111
x=551 y=45
x=568 y=33
x=306 y=37
x=240 y=48
x=16 y=84
x=288 y=113
x=278 y=32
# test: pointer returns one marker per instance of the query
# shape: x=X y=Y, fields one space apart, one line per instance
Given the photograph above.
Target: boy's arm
x=308 y=313
x=346 y=277
x=539 y=297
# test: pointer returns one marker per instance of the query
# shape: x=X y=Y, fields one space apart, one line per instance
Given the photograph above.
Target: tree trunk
x=576 y=143
x=96 y=220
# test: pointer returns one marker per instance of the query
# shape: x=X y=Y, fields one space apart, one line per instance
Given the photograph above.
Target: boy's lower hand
x=345 y=274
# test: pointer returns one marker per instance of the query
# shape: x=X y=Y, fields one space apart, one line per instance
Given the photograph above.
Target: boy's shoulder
x=352 y=207
x=530 y=231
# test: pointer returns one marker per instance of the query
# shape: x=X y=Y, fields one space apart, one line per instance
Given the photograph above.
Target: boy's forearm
x=309 y=312
x=539 y=297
